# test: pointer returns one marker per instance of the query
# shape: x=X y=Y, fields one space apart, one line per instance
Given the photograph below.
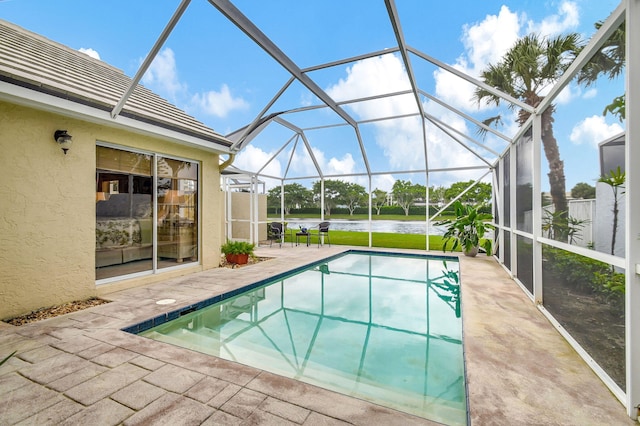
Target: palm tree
x=609 y=60
x=524 y=72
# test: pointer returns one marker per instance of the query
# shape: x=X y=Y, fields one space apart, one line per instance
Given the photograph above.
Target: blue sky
x=213 y=71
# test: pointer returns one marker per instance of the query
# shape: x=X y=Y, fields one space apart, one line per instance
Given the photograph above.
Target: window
x=612 y=155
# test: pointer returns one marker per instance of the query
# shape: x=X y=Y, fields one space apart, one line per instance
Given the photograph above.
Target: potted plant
x=467 y=230
x=237 y=252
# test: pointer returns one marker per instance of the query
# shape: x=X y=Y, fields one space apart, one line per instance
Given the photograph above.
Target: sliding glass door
x=130 y=187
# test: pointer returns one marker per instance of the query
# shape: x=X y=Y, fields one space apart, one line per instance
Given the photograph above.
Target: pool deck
x=81 y=369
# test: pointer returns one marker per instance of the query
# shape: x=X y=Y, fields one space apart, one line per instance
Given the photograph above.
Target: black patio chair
x=323 y=230
x=277 y=233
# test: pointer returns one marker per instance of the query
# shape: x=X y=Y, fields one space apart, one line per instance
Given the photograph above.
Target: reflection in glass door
x=177 y=212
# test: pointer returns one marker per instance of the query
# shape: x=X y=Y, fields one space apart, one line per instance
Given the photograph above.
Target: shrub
x=585 y=273
x=237 y=247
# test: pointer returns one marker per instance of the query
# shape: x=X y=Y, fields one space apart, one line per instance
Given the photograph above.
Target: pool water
x=380 y=327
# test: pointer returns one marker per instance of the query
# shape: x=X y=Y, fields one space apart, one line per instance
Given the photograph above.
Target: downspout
x=228 y=162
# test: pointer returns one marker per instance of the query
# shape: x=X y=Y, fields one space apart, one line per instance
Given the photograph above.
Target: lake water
x=391 y=226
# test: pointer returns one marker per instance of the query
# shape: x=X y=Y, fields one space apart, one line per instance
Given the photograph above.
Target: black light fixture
x=64 y=139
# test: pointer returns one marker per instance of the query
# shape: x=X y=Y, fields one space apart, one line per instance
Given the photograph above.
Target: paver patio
x=82 y=369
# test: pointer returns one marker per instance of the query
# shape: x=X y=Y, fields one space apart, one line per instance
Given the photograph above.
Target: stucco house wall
x=47 y=206
x=48 y=199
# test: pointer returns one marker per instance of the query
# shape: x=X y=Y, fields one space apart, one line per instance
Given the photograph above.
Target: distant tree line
x=341 y=197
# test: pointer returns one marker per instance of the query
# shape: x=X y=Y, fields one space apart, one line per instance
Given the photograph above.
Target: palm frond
x=609 y=60
x=491 y=121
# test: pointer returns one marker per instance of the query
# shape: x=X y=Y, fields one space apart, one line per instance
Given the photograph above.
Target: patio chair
x=277 y=233
x=323 y=231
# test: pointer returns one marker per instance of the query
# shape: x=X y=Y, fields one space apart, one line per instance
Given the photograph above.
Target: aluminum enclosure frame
x=628 y=10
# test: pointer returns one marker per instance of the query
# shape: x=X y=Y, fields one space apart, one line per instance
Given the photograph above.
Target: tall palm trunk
x=557 y=186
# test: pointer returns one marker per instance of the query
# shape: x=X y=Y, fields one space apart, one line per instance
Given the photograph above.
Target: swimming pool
x=378 y=326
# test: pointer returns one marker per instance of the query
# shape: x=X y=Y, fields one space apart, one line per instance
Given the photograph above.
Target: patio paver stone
x=104 y=412
x=105 y=384
x=53 y=415
x=138 y=395
x=171 y=409
x=174 y=379
x=54 y=368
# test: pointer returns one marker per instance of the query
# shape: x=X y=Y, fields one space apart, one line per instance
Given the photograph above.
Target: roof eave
x=46 y=102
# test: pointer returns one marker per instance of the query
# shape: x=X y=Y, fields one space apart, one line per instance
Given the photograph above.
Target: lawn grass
x=378 y=239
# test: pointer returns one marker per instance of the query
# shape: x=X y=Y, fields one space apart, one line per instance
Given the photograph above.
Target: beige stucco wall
x=47 y=208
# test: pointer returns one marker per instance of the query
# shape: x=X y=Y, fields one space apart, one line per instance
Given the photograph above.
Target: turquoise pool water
x=379 y=327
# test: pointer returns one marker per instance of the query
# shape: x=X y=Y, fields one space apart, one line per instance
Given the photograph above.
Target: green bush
x=237 y=247
x=611 y=283
x=574 y=269
x=585 y=273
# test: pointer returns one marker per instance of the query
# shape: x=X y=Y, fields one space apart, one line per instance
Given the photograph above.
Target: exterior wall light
x=64 y=139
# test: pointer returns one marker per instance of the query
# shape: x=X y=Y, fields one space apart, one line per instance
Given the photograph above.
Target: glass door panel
x=177 y=212
x=124 y=213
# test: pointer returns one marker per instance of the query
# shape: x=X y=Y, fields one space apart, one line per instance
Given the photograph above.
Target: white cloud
x=485 y=43
x=454 y=90
x=302 y=164
x=306 y=99
x=220 y=103
x=400 y=139
x=163 y=74
x=593 y=130
x=374 y=76
x=402 y=143
x=90 y=52
x=340 y=166
x=252 y=158
x=572 y=92
x=383 y=182
x=567 y=19
x=445 y=152
x=567 y=94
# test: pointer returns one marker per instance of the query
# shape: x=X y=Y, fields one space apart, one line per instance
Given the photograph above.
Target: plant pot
x=238 y=259
x=471 y=253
